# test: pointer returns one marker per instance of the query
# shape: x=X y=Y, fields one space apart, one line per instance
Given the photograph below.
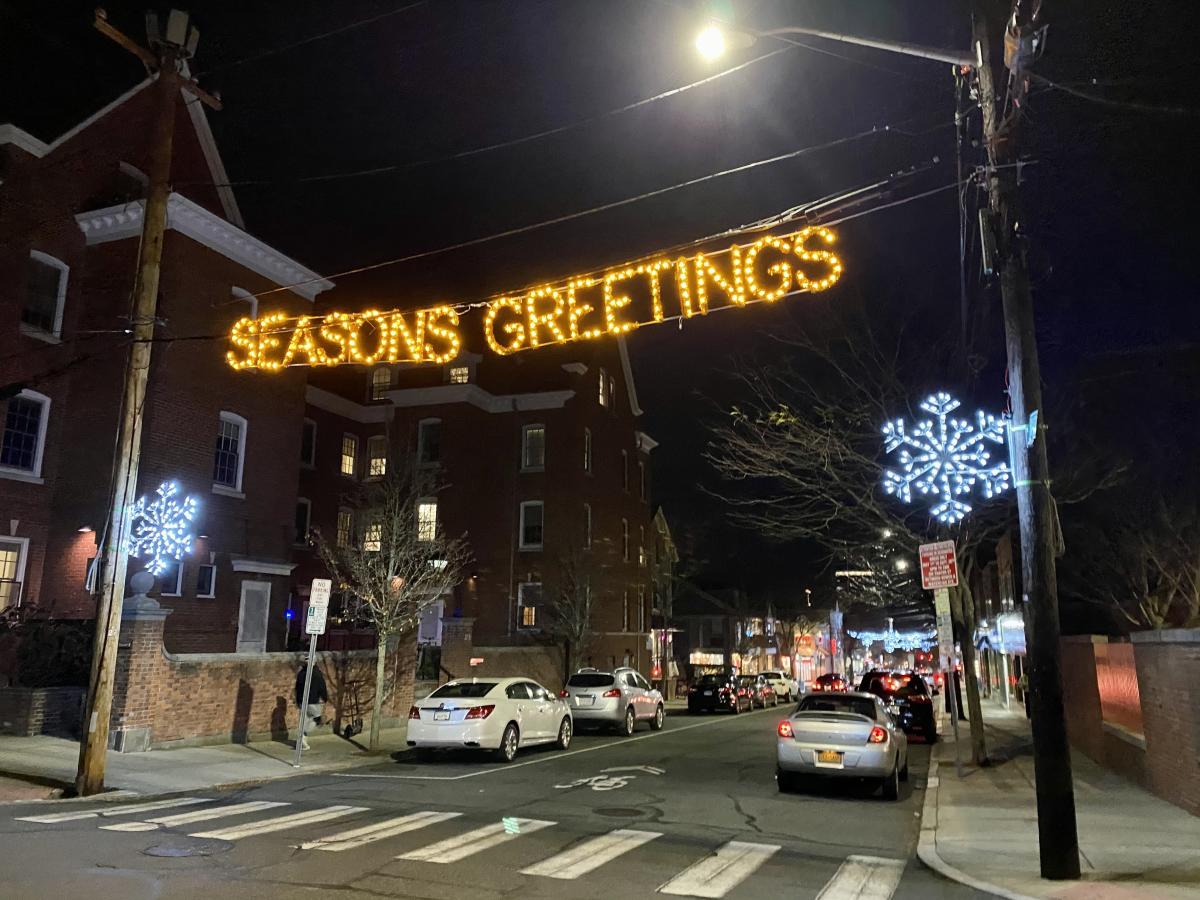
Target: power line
x=1118 y=104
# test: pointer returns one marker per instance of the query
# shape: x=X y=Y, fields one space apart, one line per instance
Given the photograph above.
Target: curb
x=927 y=841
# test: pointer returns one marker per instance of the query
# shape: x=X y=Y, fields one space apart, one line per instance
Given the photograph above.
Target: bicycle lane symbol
x=611 y=779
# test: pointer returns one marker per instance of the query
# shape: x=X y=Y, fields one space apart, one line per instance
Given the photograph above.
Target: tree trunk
x=962 y=606
x=380 y=683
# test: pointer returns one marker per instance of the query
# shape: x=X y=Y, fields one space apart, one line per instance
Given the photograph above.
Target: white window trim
x=421 y=461
x=587 y=450
x=235 y=490
x=342 y=456
x=55 y=336
x=603 y=384
x=625 y=470
x=371 y=384
x=213 y=584
x=310 y=463
x=302 y=541
x=22 y=560
x=177 y=591
x=376 y=438
x=525 y=504
x=642 y=545
x=625 y=540
x=246 y=297
x=520 y=606
x=641 y=479
x=34 y=475
x=525 y=429
x=587 y=526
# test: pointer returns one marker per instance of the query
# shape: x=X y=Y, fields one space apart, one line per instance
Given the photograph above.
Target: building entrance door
x=252 y=620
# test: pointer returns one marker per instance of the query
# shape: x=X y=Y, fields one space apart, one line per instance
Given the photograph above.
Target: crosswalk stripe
x=114 y=811
x=864 y=878
x=266 y=826
x=348 y=840
x=716 y=875
x=464 y=845
x=591 y=854
x=188 y=818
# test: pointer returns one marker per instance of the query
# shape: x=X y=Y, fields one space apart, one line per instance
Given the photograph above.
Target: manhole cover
x=619 y=812
x=185 y=847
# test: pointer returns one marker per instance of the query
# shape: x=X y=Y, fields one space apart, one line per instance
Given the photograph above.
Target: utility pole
x=1058 y=837
x=166 y=58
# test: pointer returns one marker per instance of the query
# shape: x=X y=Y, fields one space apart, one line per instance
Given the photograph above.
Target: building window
x=377 y=447
x=24 y=438
x=429 y=441
x=373 y=537
x=381 y=382
x=303 y=517
x=612 y=393
x=460 y=374
x=345 y=527
x=603 y=386
x=308 y=443
x=349 y=464
x=427 y=520
x=533 y=448
x=625 y=540
x=170 y=582
x=45 y=292
x=206 y=581
x=531 y=525
x=587 y=526
x=12 y=570
x=641 y=612
x=587 y=450
x=641 y=545
x=231 y=452
x=624 y=470
x=641 y=479
x=529 y=600
x=625 y=609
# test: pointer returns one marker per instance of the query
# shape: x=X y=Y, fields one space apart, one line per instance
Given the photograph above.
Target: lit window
x=529 y=599
x=345 y=525
x=641 y=479
x=429 y=441
x=24 y=437
x=587 y=450
x=587 y=525
x=533 y=447
x=349 y=464
x=170 y=582
x=460 y=374
x=625 y=540
x=12 y=570
x=373 y=537
x=603 y=388
x=45 y=292
x=303 y=516
x=381 y=382
x=624 y=470
x=206 y=581
x=231 y=452
x=377 y=446
x=531 y=525
x=427 y=520
x=308 y=443
x=641 y=545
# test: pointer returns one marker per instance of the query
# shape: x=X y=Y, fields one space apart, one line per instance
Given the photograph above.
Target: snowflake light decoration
x=161 y=527
x=950 y=458
x=894 y=640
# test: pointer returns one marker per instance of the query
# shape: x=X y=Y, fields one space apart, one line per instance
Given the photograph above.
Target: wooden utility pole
x=166 y=59
x=1057 y=835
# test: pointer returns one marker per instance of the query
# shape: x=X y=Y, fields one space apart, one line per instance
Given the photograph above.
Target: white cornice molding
x=114 y=223
x=11 y=134
x=627 y=369
x=478 y=397
x=263 y=566
x=347 y=409
x=645 y=443
x=575 y=368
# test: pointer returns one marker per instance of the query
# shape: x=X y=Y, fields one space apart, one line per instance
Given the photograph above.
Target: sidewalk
x=981 y=829
x=47 y=759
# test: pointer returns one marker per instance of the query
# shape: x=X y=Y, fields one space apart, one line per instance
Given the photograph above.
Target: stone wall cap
x=1167 y=636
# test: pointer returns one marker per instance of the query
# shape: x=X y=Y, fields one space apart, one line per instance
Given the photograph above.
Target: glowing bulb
x=711 y=42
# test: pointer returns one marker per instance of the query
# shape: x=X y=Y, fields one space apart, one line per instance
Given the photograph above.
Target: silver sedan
x=849 y=735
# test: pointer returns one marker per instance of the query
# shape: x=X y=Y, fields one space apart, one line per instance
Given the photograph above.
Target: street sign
x=945 y=628
x=315 y=624
x=318 y=594
x=939 y=567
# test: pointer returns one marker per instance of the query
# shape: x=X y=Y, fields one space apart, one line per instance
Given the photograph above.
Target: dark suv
x=907 y=698
x=717 y=692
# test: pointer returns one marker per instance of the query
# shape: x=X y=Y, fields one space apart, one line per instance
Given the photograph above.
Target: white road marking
x=368 y=834
x=589 y=855
x=464 y=845
x=266 y=826
x=114 y=811
x=188 y=818
x=864 y=878
x=718 y=874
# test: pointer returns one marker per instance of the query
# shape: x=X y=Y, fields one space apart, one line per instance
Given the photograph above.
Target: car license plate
x=708 y=693
x=441 y=716
x=586 y=700
x=829 y=758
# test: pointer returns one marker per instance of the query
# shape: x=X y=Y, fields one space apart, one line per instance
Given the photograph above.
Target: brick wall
x=1168 y=671
x=1081 y=695
x=29 y=711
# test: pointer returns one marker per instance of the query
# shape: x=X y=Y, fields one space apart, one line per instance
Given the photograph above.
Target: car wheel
x=630 y=722
x=891 y=785
x=508 y=743
x=656 y=723
x=565 y=732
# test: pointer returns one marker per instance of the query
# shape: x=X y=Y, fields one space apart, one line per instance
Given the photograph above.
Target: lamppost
x=1057 y=831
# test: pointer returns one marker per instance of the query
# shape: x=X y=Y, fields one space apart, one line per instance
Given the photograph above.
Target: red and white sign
x=939 y=567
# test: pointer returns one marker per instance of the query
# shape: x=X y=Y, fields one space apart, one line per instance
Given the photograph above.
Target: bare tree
x=569 y=617
x=397 y=562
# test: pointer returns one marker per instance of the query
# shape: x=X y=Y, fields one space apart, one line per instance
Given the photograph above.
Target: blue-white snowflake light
x=893 y=640
x=162 y=527
x=950 y=457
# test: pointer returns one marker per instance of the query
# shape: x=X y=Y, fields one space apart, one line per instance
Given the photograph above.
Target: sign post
x=314 y=624
x=939 y=573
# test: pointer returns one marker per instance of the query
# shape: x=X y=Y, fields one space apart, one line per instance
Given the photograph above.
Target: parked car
x=497 y=714
x=785 y=688
x=618 y=699
x=908 y=698
x=831 y=682
x=762 y=694
x=850 y=735
x=711 y=693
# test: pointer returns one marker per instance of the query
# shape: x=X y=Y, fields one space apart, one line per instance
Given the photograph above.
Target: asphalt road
x=692 y=810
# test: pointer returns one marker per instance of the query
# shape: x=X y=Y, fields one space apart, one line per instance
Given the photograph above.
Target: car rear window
x=898 y=686
x=590 y=679
x=464 y=689
x=712 y=679
x=858 y=705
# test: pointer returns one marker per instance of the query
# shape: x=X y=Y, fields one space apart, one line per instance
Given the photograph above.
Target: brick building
x=70 y=222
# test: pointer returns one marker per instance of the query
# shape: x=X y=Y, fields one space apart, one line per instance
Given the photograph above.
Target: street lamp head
x=710 y=42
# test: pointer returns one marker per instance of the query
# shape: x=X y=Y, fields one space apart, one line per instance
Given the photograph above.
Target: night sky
x=1110 y=200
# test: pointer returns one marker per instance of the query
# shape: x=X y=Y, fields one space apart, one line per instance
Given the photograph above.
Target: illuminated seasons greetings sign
x=583 y=308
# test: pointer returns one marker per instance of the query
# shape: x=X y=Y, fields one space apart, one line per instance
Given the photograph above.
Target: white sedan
x=497 y=714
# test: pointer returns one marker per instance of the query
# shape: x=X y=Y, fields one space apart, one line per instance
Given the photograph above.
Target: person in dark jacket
x=318 y=696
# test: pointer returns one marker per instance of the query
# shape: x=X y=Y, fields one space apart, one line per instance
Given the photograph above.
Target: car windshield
x=590 y=680
x=712 y=679
x=464 y=689
x=860 y=706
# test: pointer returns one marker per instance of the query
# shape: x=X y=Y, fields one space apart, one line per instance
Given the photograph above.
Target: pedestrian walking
x=310 y=716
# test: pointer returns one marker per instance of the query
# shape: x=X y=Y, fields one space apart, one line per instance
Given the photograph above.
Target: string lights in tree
x=162 y=527
x=950 y=457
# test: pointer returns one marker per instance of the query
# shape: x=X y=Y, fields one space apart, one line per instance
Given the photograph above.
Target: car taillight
x=564 y=694
x=614 y=692
x=414 y=713
x=785 y=729
x=878 y=736
x=480 y=712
